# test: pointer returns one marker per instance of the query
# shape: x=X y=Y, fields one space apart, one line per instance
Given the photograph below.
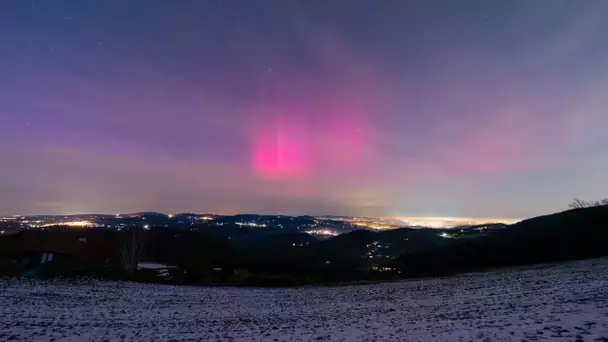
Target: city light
x=449 y=222
x=76 y=224
x=322 y=232
x=251 y=224
x=374 y=225
x=378 y=268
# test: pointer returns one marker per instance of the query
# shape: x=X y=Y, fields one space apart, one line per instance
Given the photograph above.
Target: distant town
x=319 y=226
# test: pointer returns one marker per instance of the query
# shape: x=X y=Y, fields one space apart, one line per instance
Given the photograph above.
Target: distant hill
x=572 y=234
x=285 y=247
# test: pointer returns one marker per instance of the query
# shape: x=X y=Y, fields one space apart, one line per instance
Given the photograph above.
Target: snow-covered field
x=557 y=302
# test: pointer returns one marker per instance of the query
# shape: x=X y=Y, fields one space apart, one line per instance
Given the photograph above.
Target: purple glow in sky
x=387 y=108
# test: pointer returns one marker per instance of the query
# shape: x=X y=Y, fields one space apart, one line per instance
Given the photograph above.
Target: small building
x=158 y=269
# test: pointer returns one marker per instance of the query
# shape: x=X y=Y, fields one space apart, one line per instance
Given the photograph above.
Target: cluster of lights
x=32 y=222
x=429 y=224
x=251 y=224
x=372 y=250
x=41 y=224
x=445 y=235
x=323 y=232
x=8 y=219
x=374 y=225
x=79 y=224
x=382 y=268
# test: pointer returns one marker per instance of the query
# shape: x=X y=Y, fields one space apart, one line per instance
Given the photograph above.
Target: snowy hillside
x=552 y=302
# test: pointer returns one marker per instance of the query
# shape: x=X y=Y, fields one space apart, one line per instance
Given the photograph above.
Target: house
x=155 y=268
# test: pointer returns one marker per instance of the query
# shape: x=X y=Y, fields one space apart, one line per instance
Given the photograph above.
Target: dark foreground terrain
x=555 y=302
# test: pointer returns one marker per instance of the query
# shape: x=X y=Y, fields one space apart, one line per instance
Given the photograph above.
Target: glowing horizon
x=440 y=222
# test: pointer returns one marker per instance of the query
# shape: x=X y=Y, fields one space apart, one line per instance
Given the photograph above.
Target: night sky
x=411 y=108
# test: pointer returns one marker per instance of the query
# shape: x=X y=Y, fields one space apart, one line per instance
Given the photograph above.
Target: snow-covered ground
x=557 y=302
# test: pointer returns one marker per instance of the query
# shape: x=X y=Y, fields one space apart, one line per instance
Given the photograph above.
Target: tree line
x=579 y=204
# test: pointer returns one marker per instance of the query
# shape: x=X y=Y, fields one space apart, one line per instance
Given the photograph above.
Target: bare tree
x=578 y=204
x=131 y=249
